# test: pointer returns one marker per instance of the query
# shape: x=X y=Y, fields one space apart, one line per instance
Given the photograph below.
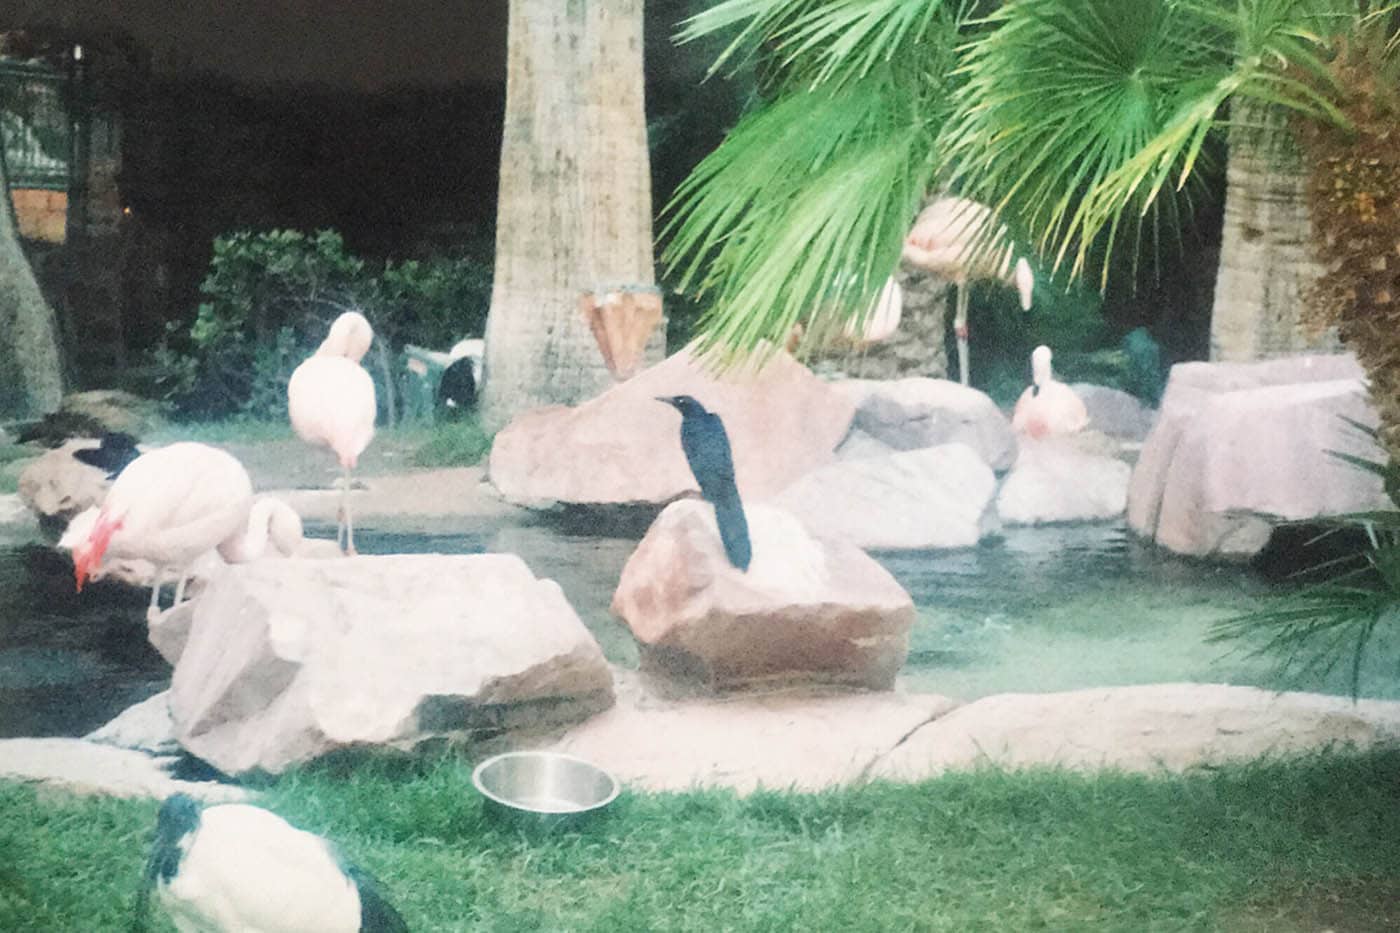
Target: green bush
x=269 y=298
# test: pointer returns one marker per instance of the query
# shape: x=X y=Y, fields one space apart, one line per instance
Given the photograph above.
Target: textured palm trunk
x=1268 y=259
x=575 y=200
x=31 y=380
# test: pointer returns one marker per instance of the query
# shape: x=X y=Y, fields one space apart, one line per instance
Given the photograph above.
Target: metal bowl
x=544 y=788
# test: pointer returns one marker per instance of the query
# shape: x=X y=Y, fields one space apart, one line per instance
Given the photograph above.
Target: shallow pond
x=1038 y=609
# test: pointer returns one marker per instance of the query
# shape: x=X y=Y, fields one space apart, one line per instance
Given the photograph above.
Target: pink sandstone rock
x=623 y=447
x=806 y=611
x=1240 y=447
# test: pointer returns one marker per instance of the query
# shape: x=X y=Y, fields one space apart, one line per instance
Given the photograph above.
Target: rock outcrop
x=935 y=497
x=1157 y=727
x=623 y=447
x=287 y=660
x=806 y=611
x=907 y=414
x=1239 y=447
x=1056 y=479
x=56 y=486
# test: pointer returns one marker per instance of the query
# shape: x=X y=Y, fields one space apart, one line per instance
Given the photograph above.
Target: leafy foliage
x=1334 y=621
x=269 y=298
x=1085 y=123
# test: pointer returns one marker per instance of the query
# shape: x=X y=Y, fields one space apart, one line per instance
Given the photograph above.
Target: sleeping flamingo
x=331 y=402
x=1048 y=406
x=954 y=239
x=169 y=506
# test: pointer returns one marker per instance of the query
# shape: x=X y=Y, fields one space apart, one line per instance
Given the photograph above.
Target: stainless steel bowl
x=544 y=788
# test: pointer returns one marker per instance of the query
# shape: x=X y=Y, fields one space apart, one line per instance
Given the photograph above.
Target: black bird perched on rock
x=234 y=868
x=115 y=451
x=706 y=447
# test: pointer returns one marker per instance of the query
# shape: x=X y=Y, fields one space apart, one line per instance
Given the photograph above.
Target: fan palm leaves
x=1083 y=122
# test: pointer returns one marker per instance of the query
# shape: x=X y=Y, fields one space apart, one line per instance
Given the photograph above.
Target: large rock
x=287 y=660
x=936 y=497
x=806 y=611
x=802 y=741
x=1056 y=480
x=1144 y=728
x=1239 y=447
x=623 y=447
x=907 y=414
x=1115 y=412
x=56 y=486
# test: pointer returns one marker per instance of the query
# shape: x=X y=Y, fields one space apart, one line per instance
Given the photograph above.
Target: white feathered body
x=1048 y=406
x=331 y=402
x=246 y=870
x=176 y=502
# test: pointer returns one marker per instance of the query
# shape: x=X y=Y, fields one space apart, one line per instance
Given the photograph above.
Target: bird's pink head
x=87 y=555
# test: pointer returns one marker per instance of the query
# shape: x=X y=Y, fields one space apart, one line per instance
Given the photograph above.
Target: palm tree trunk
x=574 y=209
x=31 y=379
x=1267 y=257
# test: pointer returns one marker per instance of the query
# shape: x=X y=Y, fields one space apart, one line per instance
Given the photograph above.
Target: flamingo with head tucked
x=168 y=507
x=1048 y=406
x=331 y=403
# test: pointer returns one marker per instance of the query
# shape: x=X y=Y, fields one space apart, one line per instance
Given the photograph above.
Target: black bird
x=116 y=450
x=457 y=388
x=236 y=867
x=706 y=447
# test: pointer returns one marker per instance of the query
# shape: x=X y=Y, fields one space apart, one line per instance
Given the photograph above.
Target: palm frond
x=813 y=226
x=819 y=41
x=1058 y=97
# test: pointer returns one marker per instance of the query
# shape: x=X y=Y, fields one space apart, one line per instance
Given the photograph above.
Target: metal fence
x=34 y=125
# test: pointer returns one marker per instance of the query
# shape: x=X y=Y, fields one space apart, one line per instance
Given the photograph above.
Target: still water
x=1047 y=608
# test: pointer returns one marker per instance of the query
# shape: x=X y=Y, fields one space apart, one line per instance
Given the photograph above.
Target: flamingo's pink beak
x=87 y=556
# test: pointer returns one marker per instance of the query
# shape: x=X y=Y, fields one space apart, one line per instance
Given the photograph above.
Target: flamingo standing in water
x=954 y=238
x=331 y=402
x=168 y=507
x=1048 y=406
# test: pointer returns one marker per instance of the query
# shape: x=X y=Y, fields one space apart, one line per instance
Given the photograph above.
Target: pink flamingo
x=168 y=507
x=1048 y=406
x=331 y=402
x=956 y=240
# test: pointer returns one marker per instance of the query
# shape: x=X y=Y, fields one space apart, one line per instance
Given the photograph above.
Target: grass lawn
x=1286 y=846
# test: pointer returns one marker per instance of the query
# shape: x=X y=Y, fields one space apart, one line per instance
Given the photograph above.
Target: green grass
x=453 y=443
x=1228 y=850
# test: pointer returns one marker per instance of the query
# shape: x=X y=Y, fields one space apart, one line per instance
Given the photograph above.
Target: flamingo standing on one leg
x=331 y=402
x=1048 y=406
x=954 y=239
x=168 y=507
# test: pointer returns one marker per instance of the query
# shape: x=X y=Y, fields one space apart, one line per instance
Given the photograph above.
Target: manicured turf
x=1264 y=847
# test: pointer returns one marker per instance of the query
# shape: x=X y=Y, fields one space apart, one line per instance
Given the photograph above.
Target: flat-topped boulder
x=623 y=447
x=806 y=740
x=935 y=497
x=1239 y=447
x=1144 y=728
x=807 y=611
x=287 y=660
x=915 y=412
x=1063 y=479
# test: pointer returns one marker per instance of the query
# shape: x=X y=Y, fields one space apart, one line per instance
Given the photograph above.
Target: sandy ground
x=385 y=483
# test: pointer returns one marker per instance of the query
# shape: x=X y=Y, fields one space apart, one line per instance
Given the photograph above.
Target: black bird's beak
x=668 y=399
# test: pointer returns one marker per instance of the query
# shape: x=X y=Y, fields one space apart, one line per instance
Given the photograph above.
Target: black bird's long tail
x=734 y=530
